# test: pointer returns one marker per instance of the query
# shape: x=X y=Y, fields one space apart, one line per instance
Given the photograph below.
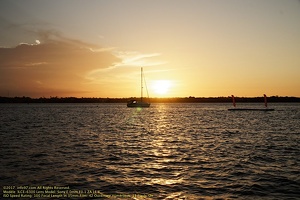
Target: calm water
x=167 y=151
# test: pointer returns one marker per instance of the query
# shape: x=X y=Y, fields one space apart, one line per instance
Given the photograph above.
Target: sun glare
x=161 y=87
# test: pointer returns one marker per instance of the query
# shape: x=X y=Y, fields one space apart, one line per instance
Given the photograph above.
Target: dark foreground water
x=167 y=151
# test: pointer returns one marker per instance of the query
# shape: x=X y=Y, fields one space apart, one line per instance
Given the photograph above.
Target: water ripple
x=169 y=151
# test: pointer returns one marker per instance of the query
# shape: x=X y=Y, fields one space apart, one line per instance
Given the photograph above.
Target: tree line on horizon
x=152 y=100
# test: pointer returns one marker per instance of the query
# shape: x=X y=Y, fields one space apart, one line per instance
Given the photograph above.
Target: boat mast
x=141 y=84
x=233 y=100
x=265 y=97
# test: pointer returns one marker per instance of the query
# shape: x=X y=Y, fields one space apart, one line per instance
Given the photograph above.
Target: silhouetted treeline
x=152 y=100
x=60 y=100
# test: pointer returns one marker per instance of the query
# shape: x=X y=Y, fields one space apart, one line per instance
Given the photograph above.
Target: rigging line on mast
x=146 y=86
x=142 y=84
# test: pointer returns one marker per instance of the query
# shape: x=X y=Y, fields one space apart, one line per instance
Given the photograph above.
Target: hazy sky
x=95 y=48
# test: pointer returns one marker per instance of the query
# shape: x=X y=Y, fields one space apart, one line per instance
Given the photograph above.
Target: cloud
x=126 y=59
x=59 y=63
x=132 y=58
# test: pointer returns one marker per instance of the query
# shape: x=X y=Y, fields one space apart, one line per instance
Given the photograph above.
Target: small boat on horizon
x=135 y=103
x=250 y=109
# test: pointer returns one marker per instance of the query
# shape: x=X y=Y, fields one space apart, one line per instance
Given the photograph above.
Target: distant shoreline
x=272 y=99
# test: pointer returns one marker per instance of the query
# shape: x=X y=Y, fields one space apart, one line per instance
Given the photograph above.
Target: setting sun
x=161 y=87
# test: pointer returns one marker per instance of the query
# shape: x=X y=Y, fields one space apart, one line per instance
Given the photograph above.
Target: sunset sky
x=201 y=48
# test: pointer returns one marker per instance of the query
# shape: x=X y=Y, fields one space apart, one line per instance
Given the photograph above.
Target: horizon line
x=195 y=97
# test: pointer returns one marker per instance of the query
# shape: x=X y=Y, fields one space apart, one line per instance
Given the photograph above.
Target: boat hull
x=138 y=104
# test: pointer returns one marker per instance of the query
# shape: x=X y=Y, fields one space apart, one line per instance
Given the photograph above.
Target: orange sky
x=187 y=48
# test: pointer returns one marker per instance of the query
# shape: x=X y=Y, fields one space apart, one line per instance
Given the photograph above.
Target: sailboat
x=141 y=103
x=250 y=109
